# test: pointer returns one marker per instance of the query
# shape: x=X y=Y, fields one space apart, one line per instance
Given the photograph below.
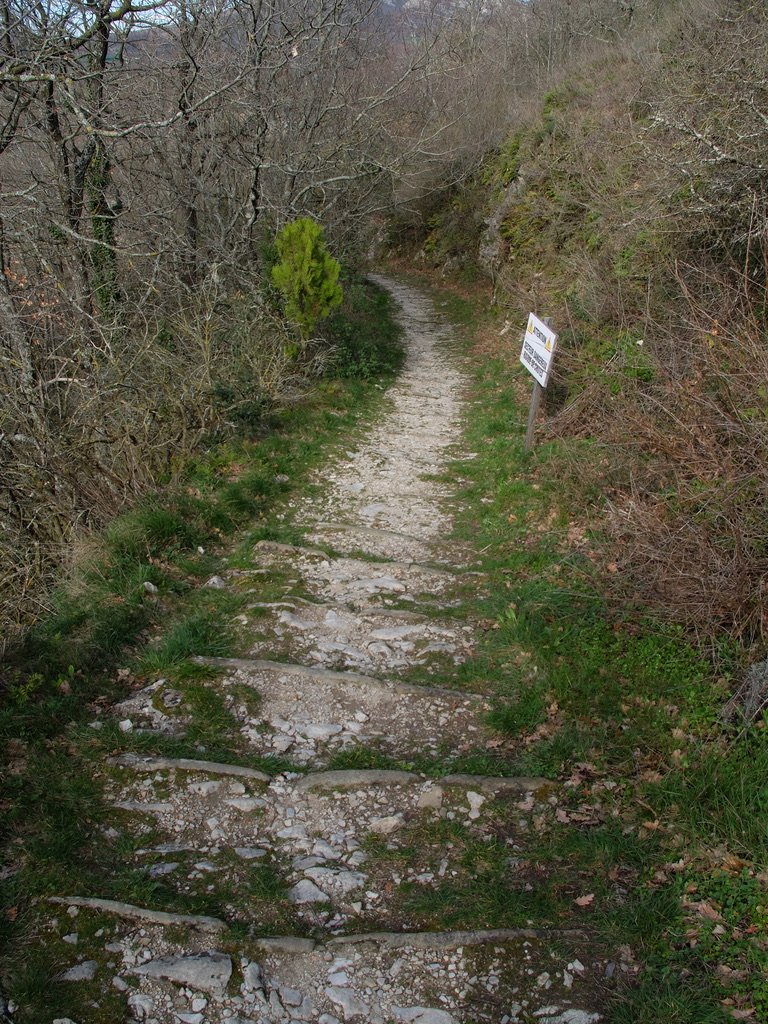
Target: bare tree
x=148 y=149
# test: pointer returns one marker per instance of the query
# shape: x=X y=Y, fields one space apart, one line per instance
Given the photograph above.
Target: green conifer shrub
x=306 y=275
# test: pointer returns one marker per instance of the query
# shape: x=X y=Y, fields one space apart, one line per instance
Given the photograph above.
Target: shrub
x=307 y=275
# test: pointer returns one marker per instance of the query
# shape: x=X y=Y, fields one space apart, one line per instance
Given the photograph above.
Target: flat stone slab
x=127 y=910
x=203 y=972
x=148 y=763
x=85 y=971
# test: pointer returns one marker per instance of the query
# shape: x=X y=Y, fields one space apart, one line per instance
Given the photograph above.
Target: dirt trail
x=328 y=678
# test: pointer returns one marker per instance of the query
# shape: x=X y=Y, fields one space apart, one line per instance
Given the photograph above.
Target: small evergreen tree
x=306 y=275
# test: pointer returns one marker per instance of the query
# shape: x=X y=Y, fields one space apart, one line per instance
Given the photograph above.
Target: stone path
x=325 y=681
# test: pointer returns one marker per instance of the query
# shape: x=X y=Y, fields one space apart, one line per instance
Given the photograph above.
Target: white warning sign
x=538 y=349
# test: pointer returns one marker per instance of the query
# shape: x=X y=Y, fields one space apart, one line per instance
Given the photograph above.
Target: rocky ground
x=331 y=673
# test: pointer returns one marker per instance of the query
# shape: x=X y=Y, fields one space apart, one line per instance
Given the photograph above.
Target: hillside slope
x=632 y=207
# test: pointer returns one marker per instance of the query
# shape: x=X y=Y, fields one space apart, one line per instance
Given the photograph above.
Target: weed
x=721 y=796
x=361 y=758
x=521 y=715
x=665 y=998
x=152 y=530
x=200 y=634
x=264 y=883
x=211 y=720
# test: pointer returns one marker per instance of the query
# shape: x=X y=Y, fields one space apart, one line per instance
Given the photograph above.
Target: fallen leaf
x=584 y=901
x=705 y=909
x=726 y=973
x=678 y=865
x=733 y=863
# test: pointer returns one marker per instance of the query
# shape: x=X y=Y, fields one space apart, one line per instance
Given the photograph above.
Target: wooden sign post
x=533 y=412
x=539 y=343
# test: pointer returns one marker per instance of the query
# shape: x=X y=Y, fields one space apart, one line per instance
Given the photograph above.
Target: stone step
x=386 y=544
x=350 y=537
x=316 y=830
x=321 y=712
x=339 y=637
x=400 y=510
x=354 y=581
x=415 y=455
x=399 y=615
x=151 y=763
x=310 y=713
x=143 y=915
x=470 y=977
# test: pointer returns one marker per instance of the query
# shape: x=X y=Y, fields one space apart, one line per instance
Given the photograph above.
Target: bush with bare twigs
x=111 y=420
x=632 y=207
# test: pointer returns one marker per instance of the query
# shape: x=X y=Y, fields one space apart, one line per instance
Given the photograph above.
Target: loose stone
x=386 y=826
x=250 y=852
x=307 y=892
x=202 y=972
x=86 y=971
x=423 y=1015
x=216 y=583
x=349 y=1004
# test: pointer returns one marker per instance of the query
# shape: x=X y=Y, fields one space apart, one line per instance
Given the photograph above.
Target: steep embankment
x=630 y=207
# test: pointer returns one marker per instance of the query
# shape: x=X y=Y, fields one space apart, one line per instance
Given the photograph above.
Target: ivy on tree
x=307 y=276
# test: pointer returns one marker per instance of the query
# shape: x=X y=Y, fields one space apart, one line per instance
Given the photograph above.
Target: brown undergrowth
x=631 y=209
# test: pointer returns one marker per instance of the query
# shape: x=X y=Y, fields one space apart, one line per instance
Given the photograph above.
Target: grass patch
x=667 y=999
x=366 y=337
x=485 y=886
x=198 y=635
